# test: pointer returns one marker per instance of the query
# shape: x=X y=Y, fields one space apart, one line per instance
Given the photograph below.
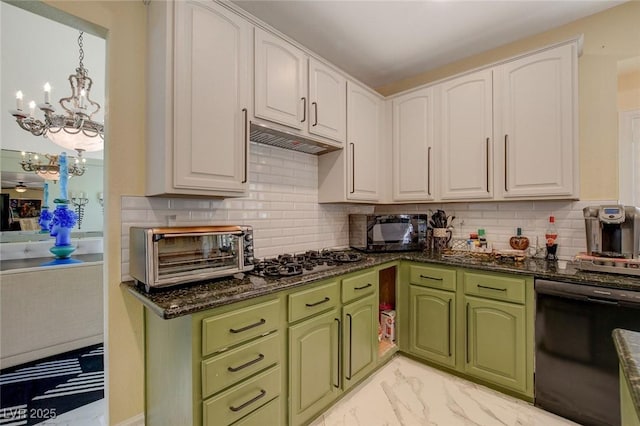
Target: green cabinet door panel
x=432 y=324
x=496 y=342
x=628 y=412
x=314 y=375
x=360 y=347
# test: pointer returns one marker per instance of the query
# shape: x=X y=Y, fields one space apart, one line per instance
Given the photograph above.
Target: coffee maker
x=613 y=231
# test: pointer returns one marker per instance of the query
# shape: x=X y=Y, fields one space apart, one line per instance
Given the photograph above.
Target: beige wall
x=609 y=36
x=125 y=171
x=629 y=91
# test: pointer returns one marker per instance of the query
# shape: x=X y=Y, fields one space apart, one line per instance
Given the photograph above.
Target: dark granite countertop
x=36 y=262
x=628 y=347
x=173 y=302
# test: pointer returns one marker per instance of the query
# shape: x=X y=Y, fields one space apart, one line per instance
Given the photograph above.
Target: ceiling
x=381 y=42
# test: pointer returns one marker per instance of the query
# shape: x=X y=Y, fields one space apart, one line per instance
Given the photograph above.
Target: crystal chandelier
x=51 y=170
x=75 y=128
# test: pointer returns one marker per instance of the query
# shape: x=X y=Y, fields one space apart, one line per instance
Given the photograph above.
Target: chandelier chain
x=81 y=50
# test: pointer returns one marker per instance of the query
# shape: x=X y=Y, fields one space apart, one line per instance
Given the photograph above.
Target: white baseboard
x=133 y=421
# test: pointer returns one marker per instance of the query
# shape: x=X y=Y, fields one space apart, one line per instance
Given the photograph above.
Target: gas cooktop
x=286 y=265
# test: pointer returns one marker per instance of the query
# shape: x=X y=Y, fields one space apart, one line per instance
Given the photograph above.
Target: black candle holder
x=79 y=203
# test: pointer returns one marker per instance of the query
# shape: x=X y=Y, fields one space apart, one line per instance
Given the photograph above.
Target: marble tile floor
x=407 y=393
x=88 y=415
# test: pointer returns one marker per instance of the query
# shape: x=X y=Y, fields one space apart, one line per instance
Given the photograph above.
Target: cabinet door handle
x=488 y=165
x=246 y=144
x=429 y=171
x=449 y=325
x=350 y=344
x=506 y=160
x=304 y=109
x=249 y=327
x=337 y=383
x=315 y=107
x=311 y=305
x=353 y=168
x=363 y=287
x=490 y=288
x=246 y=364
x=466 y=335
x=430 y=278
x=262 y=394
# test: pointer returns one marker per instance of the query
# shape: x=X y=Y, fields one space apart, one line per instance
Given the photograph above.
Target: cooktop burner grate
x=285 y=265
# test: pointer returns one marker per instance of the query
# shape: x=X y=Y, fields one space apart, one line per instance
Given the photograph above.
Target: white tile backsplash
x=282 y=206
x=501 y=219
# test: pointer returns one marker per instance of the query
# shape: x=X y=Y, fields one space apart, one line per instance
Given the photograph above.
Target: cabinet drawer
x=270 y=413
x=237 y=402
x=222 y=331
x=510 y=289
x=230 y=367
x=309 y=302
x=433 y=276
x=359 y=285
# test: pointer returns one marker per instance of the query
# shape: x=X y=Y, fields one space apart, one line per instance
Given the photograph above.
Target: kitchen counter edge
x=191 y=298
x=628 y=346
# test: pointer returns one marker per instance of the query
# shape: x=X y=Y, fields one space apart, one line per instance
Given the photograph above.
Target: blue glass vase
x=45 y=220
x=60 y=229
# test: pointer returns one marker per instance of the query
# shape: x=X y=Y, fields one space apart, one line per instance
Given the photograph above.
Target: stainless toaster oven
x=161 y=257
x=392 y=232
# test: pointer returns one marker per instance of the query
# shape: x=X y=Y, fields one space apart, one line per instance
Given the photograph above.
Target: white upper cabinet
x=298 y=92
x=354 y=173
x=536 y=102
x=199 y=99
x=327 y=101
x=280 y=81
x=465 y=129
x=363 y=137
x=413 y=153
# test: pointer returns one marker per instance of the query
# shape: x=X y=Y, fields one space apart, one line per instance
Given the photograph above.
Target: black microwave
x=391 y=232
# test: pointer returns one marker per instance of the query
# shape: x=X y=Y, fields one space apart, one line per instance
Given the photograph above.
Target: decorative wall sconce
x=79 y=200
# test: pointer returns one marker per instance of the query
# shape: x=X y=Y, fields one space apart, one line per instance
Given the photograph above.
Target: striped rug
x=42 y=390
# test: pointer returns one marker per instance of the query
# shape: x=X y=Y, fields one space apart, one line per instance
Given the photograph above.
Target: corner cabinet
x=479 y=324
x=352 y=174
x=298 y=92
x=199 y=99
x=536 y=99
x=413 y=146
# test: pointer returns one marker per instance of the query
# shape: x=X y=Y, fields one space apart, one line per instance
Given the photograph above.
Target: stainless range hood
x=261 y=133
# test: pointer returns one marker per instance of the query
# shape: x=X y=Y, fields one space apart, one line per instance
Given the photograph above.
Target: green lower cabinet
x=360 y=347
x=432 y=328
x=628 y=412
x=314 y=375
x=496 y=342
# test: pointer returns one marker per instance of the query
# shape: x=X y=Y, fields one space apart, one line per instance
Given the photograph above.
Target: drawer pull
x=491 y=288
x=249 y=327
x=363 y=287
x=430 y=278
x=251 y=401
x=311 y=305
x=247 y=364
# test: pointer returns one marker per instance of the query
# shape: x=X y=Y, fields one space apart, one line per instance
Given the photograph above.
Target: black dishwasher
x=576 y=365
